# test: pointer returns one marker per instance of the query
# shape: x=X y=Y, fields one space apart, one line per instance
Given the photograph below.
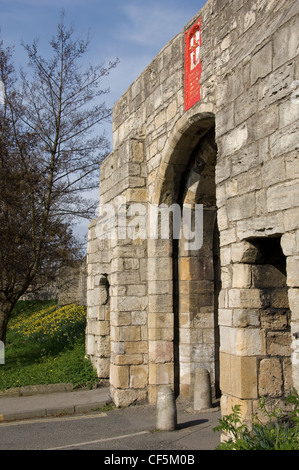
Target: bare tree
x=50 y=154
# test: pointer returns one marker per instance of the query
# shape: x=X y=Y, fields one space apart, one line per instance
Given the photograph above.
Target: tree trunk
x=6 y=308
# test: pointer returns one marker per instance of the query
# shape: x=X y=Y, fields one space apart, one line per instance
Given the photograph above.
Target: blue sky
x=132 y=30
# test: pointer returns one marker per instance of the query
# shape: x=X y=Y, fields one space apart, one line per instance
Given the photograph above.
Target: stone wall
x=156 y=312
x=72 y=283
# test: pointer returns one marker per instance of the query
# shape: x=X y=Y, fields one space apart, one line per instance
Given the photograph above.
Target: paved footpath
x=194 y=431
x=52 y=404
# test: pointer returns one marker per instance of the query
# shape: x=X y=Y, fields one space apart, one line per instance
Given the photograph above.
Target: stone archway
x=197 y=273
x=187 y=331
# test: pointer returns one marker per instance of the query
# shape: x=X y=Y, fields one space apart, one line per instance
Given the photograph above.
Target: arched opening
x=196 y=268
x=184 y=323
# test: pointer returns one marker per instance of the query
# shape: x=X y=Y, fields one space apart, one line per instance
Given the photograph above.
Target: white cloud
x=149 y=25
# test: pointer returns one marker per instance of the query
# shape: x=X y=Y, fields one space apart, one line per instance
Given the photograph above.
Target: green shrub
x=281 y=431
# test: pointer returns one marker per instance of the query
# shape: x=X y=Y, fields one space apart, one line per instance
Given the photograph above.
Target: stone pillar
x=166 y=410
x=128 y=319
x=202 y=390
x=160 y=316
x=290 y=247
x=98 y=304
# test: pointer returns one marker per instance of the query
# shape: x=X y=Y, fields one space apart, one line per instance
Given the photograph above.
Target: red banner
x=192 y=65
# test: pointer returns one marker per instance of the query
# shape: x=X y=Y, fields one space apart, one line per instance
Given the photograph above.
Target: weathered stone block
x=241 y=275
x=293 y=296
x=161 y=374
x=238 y=376
x=270 y=378
x=266 y=276
x=285 y=43
x=119 y=376
x=241 y=207
x=139 y=377
x=278 y=343
x=261 y=63
x=293 y=271
x=242 y=341
x=160 y=351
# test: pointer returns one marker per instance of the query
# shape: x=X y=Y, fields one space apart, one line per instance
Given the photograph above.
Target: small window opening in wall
x=270 y=252
x=269 y=277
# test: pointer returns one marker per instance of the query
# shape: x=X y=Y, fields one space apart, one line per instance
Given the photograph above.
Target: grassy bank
x=46 y=345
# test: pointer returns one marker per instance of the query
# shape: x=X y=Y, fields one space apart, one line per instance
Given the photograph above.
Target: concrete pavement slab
x=37 y=405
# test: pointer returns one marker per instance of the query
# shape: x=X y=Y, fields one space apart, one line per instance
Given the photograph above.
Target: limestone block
x=161 y=374
x=160 y=320
x=94 y=297
x=293 y=271
x=246 y=298
x=103 y=347
x=278 y=343
x=241 y=207
x=127 y=397
x=160 y=351
x=160 y=287
x=139 y=318
x=119 y=376
x=128 y=304
x=276 y=85
x=225 y=120
x=118 y=319
x=228 y=236
x=234 y=140
x=228 y=402
x=225 y=317
x=286 y=42
x=292 y=163
x=130 y=333
x=293 y=295
x=261 y=63
x=90 y=345
x=133 y=347
x=160 y=303
x=279 y=298
x=284 y=140
x=288 y=113
x=138 y=376
x=291 y=219
x=283 y=196
x=99 y=328
x=241 y=275
x=242 y=341
x=288 y=243
x=127 y=359
x=274 y=171
x=274 y=319
x=159 y=269
x=238 y=376
x=242 y=318
x=270 y=378
x=264 y=276
x=103 y=367
x=260 y=226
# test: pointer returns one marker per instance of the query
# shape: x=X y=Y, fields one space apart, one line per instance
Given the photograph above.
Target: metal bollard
x=166 y=410
x=202 y=390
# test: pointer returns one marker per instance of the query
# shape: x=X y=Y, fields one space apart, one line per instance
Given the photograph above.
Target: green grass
x=46 y=345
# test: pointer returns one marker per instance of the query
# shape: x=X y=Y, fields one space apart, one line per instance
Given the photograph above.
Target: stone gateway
x=211 y=123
